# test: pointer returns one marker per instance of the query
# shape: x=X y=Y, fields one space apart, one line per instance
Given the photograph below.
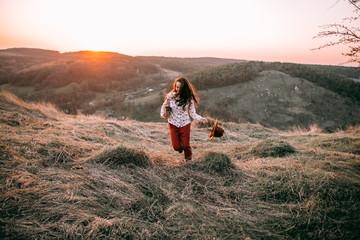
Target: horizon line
x=173 y=56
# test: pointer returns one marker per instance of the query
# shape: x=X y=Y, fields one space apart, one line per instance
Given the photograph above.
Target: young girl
x=182 y=99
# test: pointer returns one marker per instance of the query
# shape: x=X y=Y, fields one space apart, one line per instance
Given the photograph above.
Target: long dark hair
x=186 y=94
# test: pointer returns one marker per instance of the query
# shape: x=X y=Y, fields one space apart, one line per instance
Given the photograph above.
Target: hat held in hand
x=216 y=131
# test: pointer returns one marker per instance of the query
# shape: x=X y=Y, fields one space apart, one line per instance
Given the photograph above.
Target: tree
x=346 y=33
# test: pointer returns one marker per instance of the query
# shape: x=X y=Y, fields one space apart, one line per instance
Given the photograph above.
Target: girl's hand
x=203 y=120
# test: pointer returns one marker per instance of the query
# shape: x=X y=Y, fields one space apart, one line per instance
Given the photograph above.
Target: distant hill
x=187 y=65
x=281 y=95
x=15 y=59
x=277 y=100
x=87 y=177
x=242 y=72
x=34 y=52
x=96 y=71
x=276 y=95
x=93 y=70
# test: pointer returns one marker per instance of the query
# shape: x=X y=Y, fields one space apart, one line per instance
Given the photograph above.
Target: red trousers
x=180 y=139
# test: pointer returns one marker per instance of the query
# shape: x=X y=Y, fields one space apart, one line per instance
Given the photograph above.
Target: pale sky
x=268 y=30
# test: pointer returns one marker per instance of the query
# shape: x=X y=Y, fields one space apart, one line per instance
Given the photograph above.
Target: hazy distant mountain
x=96 y=70
x=187 y=65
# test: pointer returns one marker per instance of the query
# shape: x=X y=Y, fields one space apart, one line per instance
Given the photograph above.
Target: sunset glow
x=279 y=30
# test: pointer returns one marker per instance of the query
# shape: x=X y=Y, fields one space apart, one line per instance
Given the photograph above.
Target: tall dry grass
x=45 y=108
x=66 y=177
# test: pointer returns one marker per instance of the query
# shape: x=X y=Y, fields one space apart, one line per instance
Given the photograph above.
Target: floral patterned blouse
x=179 y=117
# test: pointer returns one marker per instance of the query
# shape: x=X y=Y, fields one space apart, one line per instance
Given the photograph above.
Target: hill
x=277 y=95
x=243 y=72
x=280 y=95
x=278 y=100
x=93 y=70
x=15 y=59
x=188 y=65
x=66 y=176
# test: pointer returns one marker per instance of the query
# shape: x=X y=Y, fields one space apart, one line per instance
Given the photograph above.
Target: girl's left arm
x=193 y=113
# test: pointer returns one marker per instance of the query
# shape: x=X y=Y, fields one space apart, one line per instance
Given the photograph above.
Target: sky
x=265 y=30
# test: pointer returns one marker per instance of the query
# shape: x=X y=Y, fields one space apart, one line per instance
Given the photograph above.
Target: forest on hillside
x=350 y=72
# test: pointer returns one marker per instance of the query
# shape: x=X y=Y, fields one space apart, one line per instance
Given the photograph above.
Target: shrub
x=216 y=163
x=272 y=148
x=120 y=155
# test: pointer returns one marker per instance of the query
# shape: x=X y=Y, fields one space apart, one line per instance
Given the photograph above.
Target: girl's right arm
x=162 y=111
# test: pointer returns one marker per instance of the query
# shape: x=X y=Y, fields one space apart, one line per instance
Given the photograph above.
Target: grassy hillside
x=278 y=100
x=242 y=72
x=15 y=59
x=86 y=177
x=95 y=71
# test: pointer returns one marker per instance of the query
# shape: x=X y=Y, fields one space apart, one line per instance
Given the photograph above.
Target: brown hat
x=216 y=131
x=167 y=112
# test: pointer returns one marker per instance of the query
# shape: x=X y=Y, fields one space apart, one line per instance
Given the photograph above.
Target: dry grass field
x=89 y=177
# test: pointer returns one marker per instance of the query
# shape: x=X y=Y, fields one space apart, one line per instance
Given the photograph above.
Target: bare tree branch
x=346 y=35
x=353 y=2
